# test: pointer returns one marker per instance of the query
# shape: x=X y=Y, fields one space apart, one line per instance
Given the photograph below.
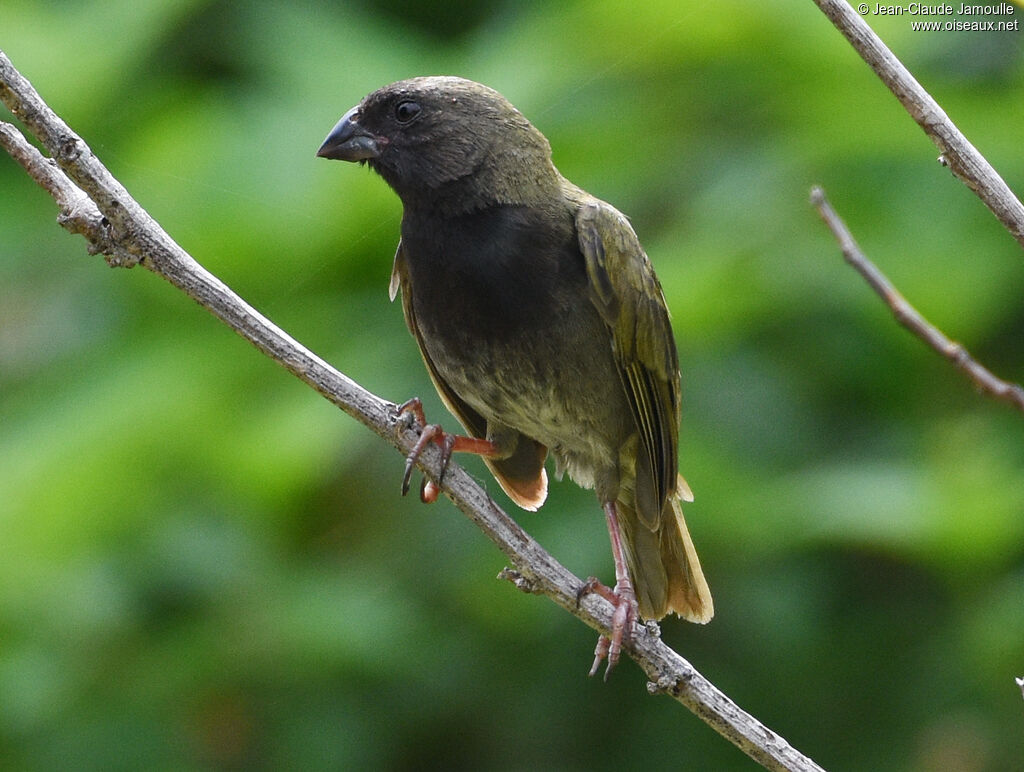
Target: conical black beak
x=348 y=141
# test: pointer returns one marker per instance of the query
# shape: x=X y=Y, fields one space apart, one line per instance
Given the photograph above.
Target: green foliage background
x=205 y=566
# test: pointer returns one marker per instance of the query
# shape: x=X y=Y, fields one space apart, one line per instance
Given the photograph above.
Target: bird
x=542 y=325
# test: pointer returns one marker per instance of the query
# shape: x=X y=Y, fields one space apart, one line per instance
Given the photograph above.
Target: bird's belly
x=559 y=387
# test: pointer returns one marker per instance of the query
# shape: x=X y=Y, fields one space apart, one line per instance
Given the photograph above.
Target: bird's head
x=447 y=141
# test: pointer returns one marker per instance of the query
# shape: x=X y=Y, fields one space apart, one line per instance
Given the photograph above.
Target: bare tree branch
x=965 y=162
x=957 y=153
x=97 y=206
x=908 y=316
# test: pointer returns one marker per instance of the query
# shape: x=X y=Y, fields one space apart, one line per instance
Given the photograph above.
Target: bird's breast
x=499 y=274
x=503 y=312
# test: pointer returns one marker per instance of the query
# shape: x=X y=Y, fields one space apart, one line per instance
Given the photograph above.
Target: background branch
x=966 y=163
x=908 y=316
x=97 y=206
x=958 y=154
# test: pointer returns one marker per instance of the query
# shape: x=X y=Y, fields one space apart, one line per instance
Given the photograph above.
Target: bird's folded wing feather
x=629 y=298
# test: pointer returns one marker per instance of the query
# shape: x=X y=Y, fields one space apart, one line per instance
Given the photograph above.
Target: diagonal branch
x=908 y=316
x=958 y=153
x=97 y=206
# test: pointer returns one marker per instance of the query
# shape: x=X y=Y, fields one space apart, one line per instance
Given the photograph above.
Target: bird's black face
x=423 y=133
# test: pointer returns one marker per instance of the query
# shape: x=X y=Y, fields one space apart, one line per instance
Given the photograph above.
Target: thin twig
x=119 y=225
x=957 y=153
x=908 y=316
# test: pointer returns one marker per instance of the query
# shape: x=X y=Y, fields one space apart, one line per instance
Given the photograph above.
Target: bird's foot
x=623 y=599
x=449 y=443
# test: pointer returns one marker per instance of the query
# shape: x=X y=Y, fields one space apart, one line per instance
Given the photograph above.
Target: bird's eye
x=406 y=111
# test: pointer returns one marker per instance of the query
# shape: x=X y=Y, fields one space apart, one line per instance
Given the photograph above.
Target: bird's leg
x=622 y=598
x=449 y=443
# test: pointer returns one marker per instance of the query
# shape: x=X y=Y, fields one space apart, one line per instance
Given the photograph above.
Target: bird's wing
x=521 y=474
x=627 y=294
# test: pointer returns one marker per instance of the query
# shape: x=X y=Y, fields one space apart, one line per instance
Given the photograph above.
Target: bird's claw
x=429 y=489
x=623 y=599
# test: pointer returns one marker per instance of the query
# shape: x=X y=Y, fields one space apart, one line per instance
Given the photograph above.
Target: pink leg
x=622 y=597
x=449 y=443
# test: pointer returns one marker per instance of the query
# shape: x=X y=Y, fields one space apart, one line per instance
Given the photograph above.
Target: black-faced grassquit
x=541 y=322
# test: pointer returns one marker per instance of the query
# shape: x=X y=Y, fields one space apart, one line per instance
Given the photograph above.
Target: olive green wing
x=629 y=298
x=521 y=474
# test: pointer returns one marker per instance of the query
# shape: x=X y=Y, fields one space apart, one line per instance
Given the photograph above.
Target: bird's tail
x=663 y=563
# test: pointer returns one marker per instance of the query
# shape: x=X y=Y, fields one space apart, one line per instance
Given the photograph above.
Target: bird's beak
x=348 y=141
